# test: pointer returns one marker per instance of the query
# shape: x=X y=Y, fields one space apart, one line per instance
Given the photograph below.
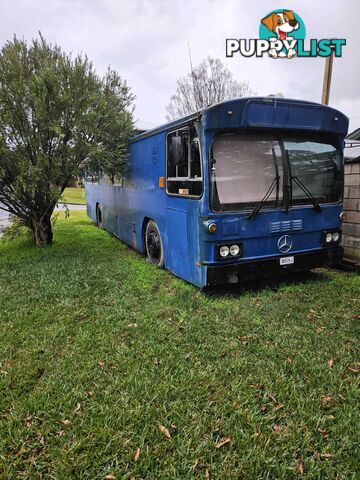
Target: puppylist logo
x=282 y=35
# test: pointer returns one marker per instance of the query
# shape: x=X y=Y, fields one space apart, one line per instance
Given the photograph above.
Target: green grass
x=76 y=196
x=88 y=314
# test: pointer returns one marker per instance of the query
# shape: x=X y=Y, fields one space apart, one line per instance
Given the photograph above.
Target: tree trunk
x=42 y=232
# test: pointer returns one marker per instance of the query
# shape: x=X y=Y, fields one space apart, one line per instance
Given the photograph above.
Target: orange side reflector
x=161 y=182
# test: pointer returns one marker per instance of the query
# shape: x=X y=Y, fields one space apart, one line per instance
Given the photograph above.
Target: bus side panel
x=123 y=210
x=91 y=196
x=127 y=208
x=176 y=217
x=145 y=199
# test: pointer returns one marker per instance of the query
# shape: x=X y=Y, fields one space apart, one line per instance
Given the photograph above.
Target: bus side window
x=195 y=165
x=183 y=163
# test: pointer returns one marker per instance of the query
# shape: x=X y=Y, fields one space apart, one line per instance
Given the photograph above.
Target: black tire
x=154 y=246
x=99 y=217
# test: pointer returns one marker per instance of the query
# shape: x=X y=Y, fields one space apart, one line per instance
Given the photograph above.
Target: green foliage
x=16 y=229
x=90 y=322
x=57 y=118
x=111 y=130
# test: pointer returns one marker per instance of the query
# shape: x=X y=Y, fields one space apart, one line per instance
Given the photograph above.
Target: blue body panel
x=188 y=246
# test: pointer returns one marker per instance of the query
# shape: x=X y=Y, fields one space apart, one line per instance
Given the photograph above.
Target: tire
x=99 y=217
x=154 y=246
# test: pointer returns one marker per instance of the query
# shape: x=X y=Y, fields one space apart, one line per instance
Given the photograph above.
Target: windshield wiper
x=307 y=193
x=258 y=206
x=301 y=185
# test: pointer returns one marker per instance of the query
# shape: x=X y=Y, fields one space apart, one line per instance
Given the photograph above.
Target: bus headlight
x=328 y=237
x=336 y=236
x=230 y=250
x=332 y=238
x=234 y=250
x=224 y=251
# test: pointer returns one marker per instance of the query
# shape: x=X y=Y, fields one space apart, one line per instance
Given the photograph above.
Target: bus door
x=184 y=187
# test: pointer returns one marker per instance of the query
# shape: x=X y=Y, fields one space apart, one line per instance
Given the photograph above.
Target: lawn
x=112 y=368
x=76 y=196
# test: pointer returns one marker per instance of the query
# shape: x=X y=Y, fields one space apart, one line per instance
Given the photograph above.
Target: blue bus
x=240 y=190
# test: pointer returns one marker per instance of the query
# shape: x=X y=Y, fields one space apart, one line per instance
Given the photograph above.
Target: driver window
x=183 y=163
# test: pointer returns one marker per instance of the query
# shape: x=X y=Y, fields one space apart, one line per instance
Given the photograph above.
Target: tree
x=208 y=83
x=57 y=117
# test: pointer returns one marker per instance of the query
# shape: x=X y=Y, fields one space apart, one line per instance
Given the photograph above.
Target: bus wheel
x=99 y=216
x=154 y=247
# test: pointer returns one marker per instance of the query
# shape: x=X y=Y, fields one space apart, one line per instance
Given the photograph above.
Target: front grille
x=285 y=226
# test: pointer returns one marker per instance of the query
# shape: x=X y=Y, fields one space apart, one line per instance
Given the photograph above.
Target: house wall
x=351 y=227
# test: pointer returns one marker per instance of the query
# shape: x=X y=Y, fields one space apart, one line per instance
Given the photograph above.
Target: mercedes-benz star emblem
x=284 y=243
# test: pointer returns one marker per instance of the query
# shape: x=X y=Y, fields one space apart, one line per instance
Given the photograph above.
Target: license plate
x=286 y=260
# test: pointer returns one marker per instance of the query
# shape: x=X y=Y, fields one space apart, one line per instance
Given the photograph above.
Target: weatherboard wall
x=351 y=228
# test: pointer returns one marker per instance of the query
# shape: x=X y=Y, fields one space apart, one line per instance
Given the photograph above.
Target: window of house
x=184 y=163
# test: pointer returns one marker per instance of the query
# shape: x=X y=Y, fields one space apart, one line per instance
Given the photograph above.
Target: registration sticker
x=286 y=260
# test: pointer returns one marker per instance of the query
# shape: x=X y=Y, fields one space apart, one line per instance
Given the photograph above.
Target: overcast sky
x=146 y=41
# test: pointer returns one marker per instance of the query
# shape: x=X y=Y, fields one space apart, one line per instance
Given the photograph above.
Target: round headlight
x=329 y=237
x=336 y=236
x=224 y=251
x=234 y=250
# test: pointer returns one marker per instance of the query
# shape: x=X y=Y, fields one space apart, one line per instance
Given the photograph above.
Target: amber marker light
x=161 y=182
x=343 y=216
x=212 y=227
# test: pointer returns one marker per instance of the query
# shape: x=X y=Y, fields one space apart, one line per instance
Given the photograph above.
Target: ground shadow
x=272 y=283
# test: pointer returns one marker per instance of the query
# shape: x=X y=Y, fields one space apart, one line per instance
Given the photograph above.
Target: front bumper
x=256 y=269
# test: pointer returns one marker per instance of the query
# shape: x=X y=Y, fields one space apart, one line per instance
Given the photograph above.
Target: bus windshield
x=248 y=168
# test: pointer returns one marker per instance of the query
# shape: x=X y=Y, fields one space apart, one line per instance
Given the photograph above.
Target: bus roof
x=240 y=104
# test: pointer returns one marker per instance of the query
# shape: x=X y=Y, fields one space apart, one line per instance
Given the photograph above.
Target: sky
x=147 y=43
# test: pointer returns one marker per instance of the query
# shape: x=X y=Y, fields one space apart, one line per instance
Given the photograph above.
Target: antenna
x=191 y=67
x=192 y=75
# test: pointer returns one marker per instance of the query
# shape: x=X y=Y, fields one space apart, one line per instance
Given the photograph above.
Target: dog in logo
x=281 y=24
